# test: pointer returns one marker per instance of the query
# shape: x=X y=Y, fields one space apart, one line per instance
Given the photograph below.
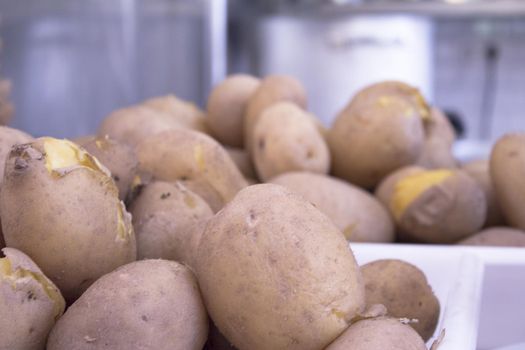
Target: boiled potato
x=276 y=273
x=439 y=138
x=29 y=303
x=242 y=159
x=285 y=139
x=60 y=206
x=480 y=172
x=360 y=216
x=403 y=289
x=195 y=159
x=497 y=236
x=226 y=108
x=381 y=130
x=507 y=170
x=164 y=215
x=380 y=333
x=149 y=304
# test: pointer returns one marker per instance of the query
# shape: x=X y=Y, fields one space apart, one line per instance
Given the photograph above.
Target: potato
x=439 y=138
x=381 y=130
x=403 y=289
x=272 y=89
x=360 y=216
x=275 y=273
x=226 y=108
x=195 y=159
x=164 y=215
x=149 y=304
x=480 y=172
x=437 y=206
x=60 y=206
x=507 y=170
x=6 y=107
x=285 y=139
x=242 y=159
x=380 y=333
x=497 y=236
x=29 y=303
x=119 y=158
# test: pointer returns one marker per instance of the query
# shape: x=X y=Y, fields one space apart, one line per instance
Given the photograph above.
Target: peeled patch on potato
x=285 y=139
x=403 y=289
x=497 y=237
x=275 y=273
x=29 y=303
x=360 y=216
x=149 y=304
x=60 y=206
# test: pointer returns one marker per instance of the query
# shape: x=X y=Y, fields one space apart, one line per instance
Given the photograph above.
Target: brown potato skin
x=149 y=304
x=360 y=216
x=496 y=237
x=242 y=159
x=479 y=171
x=507 y=170
x=227 y=106
x=164 y=215
x=285 y=139
x=67 y=224
x=272 y=89
x=380 y=333
x=292 y=281
x=371 y=138
x=195 y=159
x=439 y=138
x=403 y=289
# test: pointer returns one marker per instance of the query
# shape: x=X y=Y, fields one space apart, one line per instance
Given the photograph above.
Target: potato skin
x=439 y=138
x=285 y=139
x=28 y=312
x=149 y=304
x=8 y=138
x=380 y=131
x=69 y=223
x=195 y=159
x=360 y=216
x=378 y=334
x=242 y=159
x=497 y=237
x=292 y=282
x=226 y=108
x=403 y=289
x=507 y=170
x=164 y=215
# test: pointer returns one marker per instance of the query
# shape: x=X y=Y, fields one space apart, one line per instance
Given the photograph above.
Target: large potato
x=164 y=215
x=381 y=130
x=439 y=138
x=149 y=304
x=276 y=273
x=195 y=159
x=403 y=289
x=497 y=236
x=226 y=108
x=29 y=303
x=355 y=212
x=507 y=170
x=285 y=139
x=60 y=206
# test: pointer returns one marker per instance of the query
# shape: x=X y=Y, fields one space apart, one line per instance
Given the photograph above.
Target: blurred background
x=71 y=62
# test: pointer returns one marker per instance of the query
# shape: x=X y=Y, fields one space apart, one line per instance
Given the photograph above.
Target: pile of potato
x=178 y=228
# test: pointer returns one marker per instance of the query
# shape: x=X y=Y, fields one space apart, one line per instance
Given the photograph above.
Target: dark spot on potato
x=31 y=295
x=310 y=154
x=420 y=304
x=165 y=195
x=513 y=153
x=184 y=178
x=116 y=178
x=262 y=144
x=144 y=318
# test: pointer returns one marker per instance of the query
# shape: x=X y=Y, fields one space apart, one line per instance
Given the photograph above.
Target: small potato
x=164 y=215
x=285 y=139
x=360 y=216
x=507 y=170
x=149 y=304
x=497 y=237
x=119 y=158
x=439 y=138
x=480 y=172
x=272 y=89
x=60 y=206
x=29 y=303
x=195 y=159
x=275 y=273
x=242 y=159
x=381 y=130
x=378 y=334
x=227 y=106
x=403 y=289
